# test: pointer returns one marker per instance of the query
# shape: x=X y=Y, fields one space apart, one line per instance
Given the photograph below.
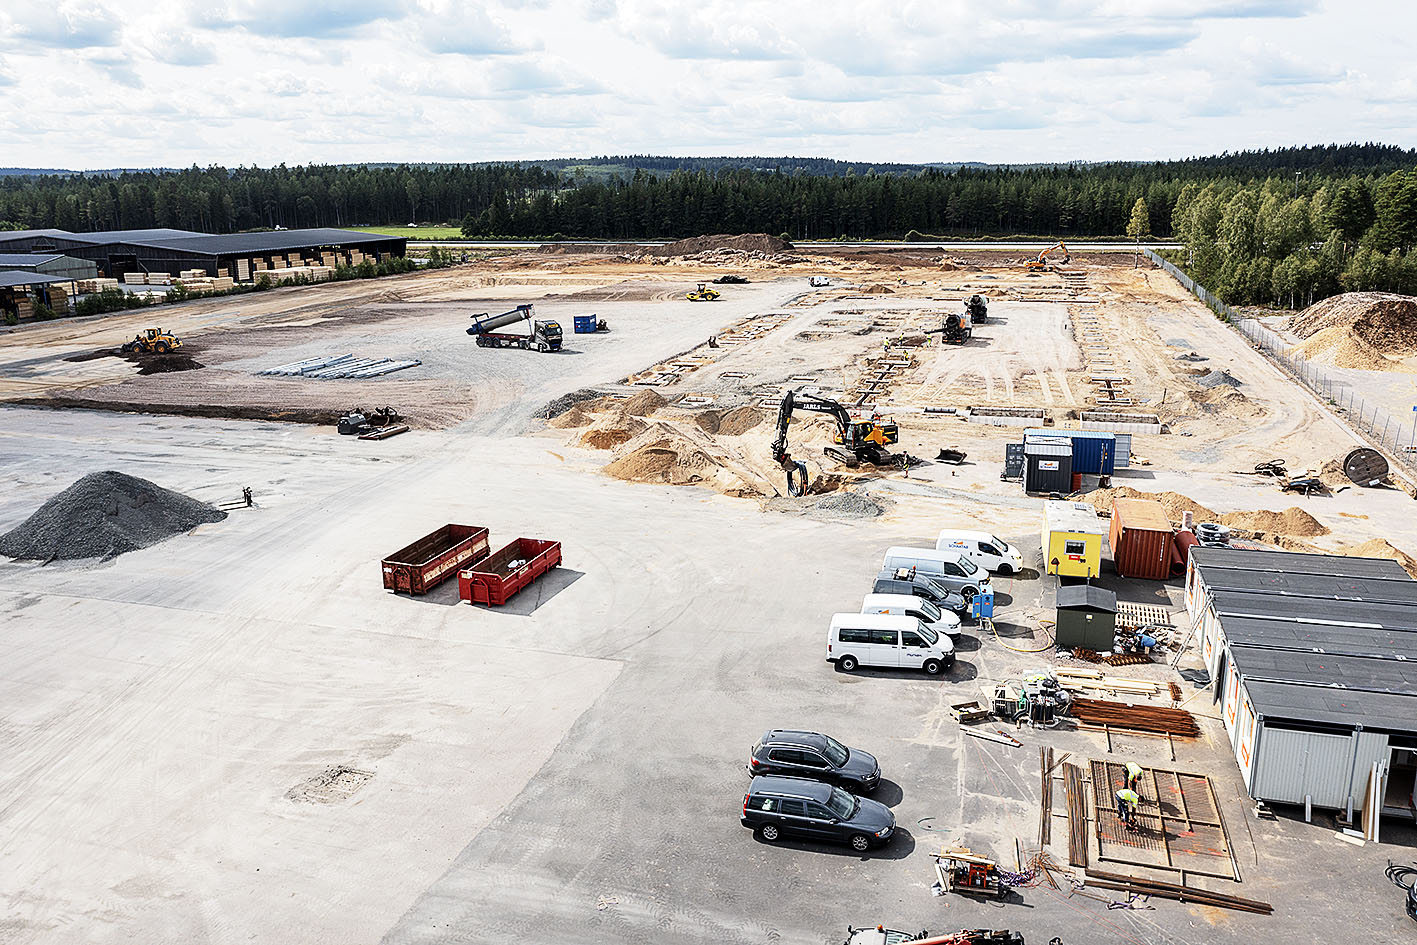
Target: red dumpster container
x=494 y=580
x=434 y=558
x=1141 y=539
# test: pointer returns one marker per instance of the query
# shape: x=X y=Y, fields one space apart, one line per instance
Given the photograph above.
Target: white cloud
x=266 y=81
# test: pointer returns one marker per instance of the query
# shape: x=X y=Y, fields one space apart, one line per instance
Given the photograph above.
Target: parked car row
x=910 y=620
x=807 y=785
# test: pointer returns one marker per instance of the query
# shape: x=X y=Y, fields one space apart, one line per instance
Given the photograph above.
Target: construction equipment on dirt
x=978 y=309
x=1040 y=262
x=544 y=336
x=703 y=294
x=856 y=442
x=360 y=421
x=955 y=328
x=818 y=282
x=383 y=433
x=152 y=341
x=960 y=871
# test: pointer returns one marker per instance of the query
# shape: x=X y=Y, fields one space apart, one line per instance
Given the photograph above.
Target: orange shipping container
x=1141 y=539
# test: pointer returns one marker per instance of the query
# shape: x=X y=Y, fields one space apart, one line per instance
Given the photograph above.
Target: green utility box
x=1087 y=617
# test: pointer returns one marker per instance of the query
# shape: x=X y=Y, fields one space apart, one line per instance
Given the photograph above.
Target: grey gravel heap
x=103 y=515
x=851 y=504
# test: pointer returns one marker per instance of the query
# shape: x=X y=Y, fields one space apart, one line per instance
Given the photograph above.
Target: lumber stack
x=1151 y=887
x=1161 y=720
x=1076 y=793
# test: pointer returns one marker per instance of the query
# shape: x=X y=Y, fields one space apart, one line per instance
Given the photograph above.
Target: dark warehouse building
x=238 y=255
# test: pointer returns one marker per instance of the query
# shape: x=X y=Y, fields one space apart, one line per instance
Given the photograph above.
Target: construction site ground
x=238 y=735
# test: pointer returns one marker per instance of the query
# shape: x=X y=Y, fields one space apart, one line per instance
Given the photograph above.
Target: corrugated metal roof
x=12 y=279
x=27 y=260
x=257 y=243
x=99 y=237
x=1298 y=563
x=1086 y=597
x=1035 y=448
x=1060 y=515
x=1146 y=514
x=1071 y=434
x=1288 y=584
x=1377 y=643
x=1314 y=609
x=1326 y=669
x=1340 y=707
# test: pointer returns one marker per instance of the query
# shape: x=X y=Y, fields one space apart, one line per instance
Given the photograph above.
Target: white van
x=988 y=551
x=889 y=641
x=950 y=568
x=908 y=605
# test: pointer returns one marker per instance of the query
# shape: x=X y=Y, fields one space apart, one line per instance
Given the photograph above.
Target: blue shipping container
x=584 y=324
x=1094 y=451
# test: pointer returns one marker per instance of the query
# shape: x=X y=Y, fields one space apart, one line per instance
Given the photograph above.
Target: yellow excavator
x=152 y=341
x=1040 y=262
x=702 y=294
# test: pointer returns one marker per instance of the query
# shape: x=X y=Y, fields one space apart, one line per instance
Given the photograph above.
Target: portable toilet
x=1087 y=617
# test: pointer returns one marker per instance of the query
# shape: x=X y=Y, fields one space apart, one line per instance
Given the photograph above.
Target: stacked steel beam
x=1161 y=720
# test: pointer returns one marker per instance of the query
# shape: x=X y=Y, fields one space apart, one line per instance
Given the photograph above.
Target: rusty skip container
x=434 y=558
x=498 y=578
x=1141 y=539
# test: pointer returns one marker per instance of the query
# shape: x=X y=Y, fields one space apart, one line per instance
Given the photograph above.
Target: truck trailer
x=544 y=336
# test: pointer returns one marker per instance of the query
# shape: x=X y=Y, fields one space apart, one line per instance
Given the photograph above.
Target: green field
x=414 y=232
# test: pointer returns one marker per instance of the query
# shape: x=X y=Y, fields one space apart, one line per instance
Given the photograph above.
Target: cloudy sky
x=106 y=83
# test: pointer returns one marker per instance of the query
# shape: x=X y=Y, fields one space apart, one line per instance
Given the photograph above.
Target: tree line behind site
x=1279 y=226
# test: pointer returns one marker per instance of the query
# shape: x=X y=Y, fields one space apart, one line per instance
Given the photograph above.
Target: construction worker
x=1133 y=775
x=1127 y=801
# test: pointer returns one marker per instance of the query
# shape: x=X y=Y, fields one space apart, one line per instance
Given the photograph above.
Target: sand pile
x=739 y=420
x=642 y=404
x=746 y=242
x=1384 y=320
x=575 y=417
x=1292 y=521
x=877 y=289
x=708 y=420
x=103 y=515
x=1342 y=347
x=1174 y=502
x=1378 y=548
x=674 y=456
x=1224 y=400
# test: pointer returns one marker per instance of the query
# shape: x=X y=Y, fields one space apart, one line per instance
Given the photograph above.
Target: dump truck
x=544 y=336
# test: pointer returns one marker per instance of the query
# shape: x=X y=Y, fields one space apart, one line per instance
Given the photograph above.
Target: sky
x=88 y=84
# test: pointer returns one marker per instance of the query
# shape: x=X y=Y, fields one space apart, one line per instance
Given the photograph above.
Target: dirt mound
x=1292 y=521
x=606 y=438
x=739 y=420
x=708 y=420
x=575 y=417
x=746 y=242
x=850 y=505
x=1224 y=400
x=103 y=515
x=1174 y=502
x=1378 y=548
x=1342 y=347
x=877 y=289
x=165 y=363
x=1384 y=320
x=1218 y=378
x=642 y=404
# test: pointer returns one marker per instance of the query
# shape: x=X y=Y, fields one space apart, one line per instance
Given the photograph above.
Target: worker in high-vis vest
x=1127 y=801
x=1133 y=775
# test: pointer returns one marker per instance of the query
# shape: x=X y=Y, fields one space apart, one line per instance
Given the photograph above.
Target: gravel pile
x=103 y=515
x=1217 y=377
x=850 y=504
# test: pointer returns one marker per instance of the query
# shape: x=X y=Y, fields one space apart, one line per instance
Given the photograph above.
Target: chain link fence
x=1395 y=435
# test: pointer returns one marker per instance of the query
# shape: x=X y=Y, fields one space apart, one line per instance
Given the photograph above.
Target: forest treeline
x=1269 y=243
x=679 y=197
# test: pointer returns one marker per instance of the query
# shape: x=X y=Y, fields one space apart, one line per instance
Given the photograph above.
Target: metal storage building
x=1313 y=657
x=48 y=264
x=172 y=251
x=1071 y=539
x=1141 y=539
x=1087 y=617
x=1094 y=451
x=1047 y=466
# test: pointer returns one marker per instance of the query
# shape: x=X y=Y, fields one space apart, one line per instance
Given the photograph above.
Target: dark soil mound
x=746 y=242
x=164 y=363
x=103 y=515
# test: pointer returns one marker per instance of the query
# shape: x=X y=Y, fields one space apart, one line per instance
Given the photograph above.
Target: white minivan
x=889 y=641
x=950 y=568
x=908 y=605
x=986 y=550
